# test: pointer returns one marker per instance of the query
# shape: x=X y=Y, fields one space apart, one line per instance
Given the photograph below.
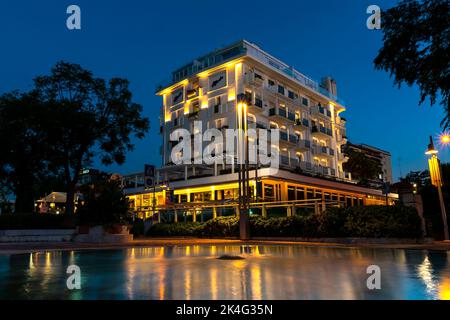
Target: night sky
x=144 y=41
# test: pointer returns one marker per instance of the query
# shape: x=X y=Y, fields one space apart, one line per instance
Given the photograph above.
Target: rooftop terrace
x=241 y=49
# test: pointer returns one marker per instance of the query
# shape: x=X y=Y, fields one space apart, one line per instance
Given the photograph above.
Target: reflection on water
x=194 y=272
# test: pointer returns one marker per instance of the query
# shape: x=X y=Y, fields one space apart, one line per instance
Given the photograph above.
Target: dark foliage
x=416 y=48
x=104 y=204
x=367 y=222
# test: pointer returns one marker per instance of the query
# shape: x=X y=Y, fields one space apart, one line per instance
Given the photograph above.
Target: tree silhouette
x=362 y=167
x=416 y=48
x=91 y=117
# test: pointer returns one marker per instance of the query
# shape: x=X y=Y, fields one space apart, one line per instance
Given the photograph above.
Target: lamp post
x=436 y=180
x=243 y=174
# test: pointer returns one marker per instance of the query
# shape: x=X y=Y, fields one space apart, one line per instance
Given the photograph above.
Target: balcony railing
x=322 y=129
x=301 y=122
x=258 y=103
x=304 y=144
x=291 y=116
x=281 y=112
x=323 y=150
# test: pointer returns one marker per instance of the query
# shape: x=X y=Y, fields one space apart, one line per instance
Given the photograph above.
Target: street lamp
x=243 y=159
x=436 y=180
x=445 y=138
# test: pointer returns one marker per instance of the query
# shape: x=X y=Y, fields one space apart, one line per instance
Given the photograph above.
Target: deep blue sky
x=144 y=41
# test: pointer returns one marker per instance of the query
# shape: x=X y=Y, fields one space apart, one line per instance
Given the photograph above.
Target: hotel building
x=307 y=114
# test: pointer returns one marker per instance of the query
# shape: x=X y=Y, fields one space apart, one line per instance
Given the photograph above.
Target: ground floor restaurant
x=266 y=190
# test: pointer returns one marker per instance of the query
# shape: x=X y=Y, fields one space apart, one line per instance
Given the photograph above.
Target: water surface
x=194 y=272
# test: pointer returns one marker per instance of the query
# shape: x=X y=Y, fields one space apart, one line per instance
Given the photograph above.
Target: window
x=218 y=80
x=305 y=101
x=348 y=201
x=271 y=83
x=309 y=193
x=292 y=95
x=281 y=89
x=291 y=193
x=318 y=194
x=217 y=103
x=300 y=194
x=258 y=76
x=269 y=192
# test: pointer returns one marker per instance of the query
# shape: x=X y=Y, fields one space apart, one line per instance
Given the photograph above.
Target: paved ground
x=14 y=248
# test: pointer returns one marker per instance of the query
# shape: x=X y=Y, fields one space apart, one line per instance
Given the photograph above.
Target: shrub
x=175 y=229
x=369 y=221
x=104 y=204
x=220 y=227
x=383 y=221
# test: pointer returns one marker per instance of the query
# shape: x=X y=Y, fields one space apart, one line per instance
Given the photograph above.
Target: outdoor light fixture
x=436 y=180
x=243 y=173
x=445 y=138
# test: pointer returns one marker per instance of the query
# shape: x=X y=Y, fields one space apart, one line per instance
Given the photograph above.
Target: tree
x=362 y=167
x=420 y=178
x=25 y=147
x=416 y=48
x=104 y=204
x=91 y=117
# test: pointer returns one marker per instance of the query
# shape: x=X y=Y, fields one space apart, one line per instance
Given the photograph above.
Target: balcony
x=322 y=151
x=194 y=113
x=304 y=166
x=322 y=111
x=257 y=106
x=192 y=93
x=302 y=123
x=291 y=116
x=281 y=113
x=290 y=138
x=284 y=161
x=326 y=171
x=303 y=144
x=321 y=131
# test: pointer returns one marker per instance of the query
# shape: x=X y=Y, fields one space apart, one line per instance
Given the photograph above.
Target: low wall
x=99 y=235
x=38 y=235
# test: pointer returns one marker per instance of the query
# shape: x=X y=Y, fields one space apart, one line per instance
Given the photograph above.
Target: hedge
x=367 y=222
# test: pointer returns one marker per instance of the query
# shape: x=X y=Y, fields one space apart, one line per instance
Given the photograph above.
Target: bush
x=36 y=221
x=383 y=221
x=137 y=227
x=369 y=221
x=220 y=227
x=104 y=204
x=187 y=229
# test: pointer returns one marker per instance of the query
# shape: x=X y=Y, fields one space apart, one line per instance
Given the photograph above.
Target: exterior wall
x=311 y=130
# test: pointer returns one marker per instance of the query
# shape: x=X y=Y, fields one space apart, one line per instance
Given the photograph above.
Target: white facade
x=307 y=114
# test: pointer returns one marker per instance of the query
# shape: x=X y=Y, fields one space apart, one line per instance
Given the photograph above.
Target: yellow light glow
x=227 y=65
x=231 y=94
x=186 y=107
x=210 y=188
x=172 y=87
x=444 y=138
